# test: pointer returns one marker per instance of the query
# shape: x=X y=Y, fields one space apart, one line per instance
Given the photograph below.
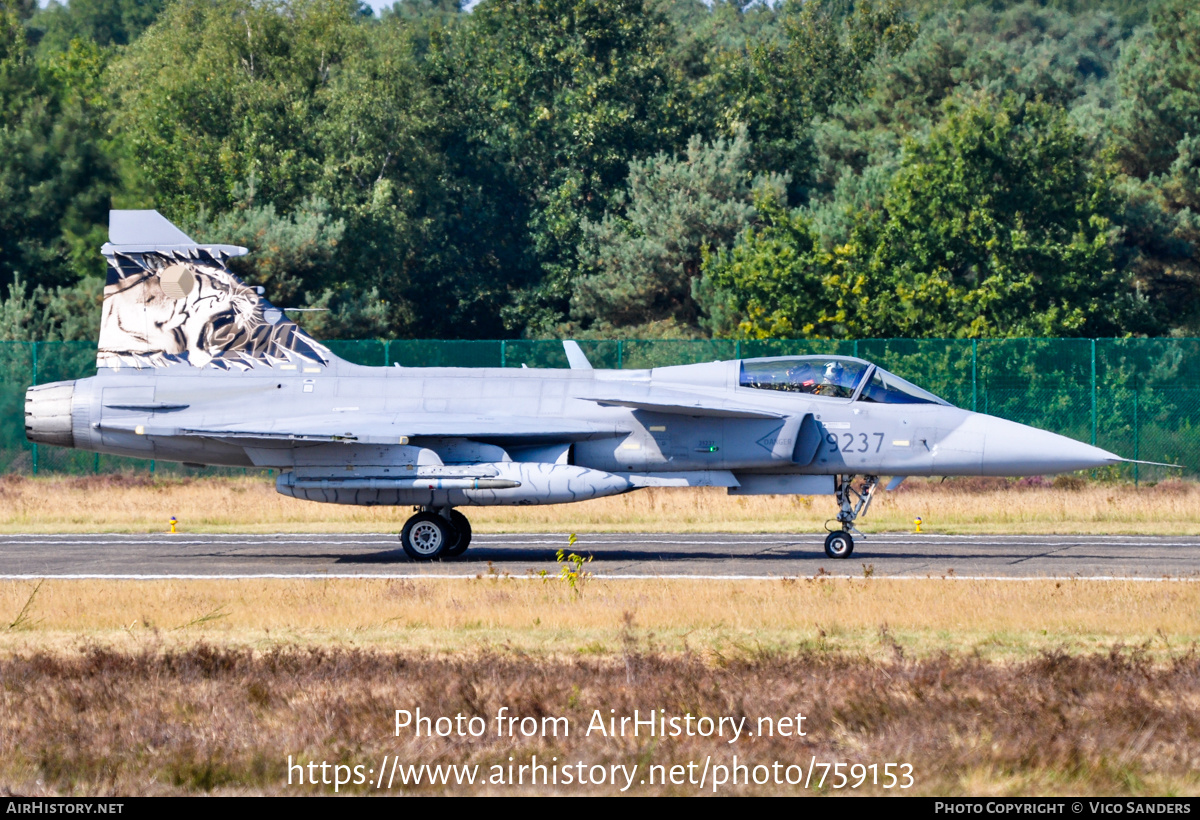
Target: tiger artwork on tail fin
x=171 y=301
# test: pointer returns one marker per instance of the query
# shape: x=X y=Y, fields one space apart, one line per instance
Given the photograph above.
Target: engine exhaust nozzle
x=48 y=413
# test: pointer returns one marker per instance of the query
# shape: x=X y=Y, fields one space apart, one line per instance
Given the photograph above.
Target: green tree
x=823 y=61
x=1157 y=139
x=645 y=256
x=999 y=224
x=291 y=254
x=56 y=174
x=217 y=93
x=438 y=12
x=1160 y=77
x=710 y=58
x=304 y=101
x=1029 y=50
x=103 y=22
x=423 y=217
x=561 y=95
x=776 y=281
x=51 y=314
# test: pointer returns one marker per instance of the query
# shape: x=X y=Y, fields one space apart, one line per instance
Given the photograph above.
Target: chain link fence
x=1139 y=398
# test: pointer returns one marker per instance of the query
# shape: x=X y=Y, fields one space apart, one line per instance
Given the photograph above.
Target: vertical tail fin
x=169 y=300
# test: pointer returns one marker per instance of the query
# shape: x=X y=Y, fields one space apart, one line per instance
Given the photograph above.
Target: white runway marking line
x=555 y=538
x=609 y=540
x=198 y=543
x=598 y=577
x=866 y=546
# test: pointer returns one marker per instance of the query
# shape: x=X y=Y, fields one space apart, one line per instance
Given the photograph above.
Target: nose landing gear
x=839 y=544
x=433 y=534
x=853 y=502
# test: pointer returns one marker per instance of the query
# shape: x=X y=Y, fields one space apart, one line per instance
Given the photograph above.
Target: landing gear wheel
x=463 y=527
x=852 y=503
x=839 y=545
x=426 y=535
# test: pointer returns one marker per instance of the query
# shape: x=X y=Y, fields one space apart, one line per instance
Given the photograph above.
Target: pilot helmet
x=834 y=373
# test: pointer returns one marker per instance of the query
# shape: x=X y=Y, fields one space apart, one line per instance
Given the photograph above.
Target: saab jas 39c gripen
x=195 y=366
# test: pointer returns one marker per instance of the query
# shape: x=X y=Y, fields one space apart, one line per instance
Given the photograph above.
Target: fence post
x=974 y=375
x=33 y=346
x=1093 y=392
x=620 y=352
x=387 y=352
x=503 y=353
x=1135 y=437
x=737 y=349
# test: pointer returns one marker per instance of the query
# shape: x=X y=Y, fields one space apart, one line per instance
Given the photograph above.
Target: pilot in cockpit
x=835 y=381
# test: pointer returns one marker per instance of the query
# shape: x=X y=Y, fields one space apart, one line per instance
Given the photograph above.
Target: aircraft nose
x=1016 y=449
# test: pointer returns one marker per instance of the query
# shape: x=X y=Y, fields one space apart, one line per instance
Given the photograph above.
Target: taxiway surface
x=614 y=555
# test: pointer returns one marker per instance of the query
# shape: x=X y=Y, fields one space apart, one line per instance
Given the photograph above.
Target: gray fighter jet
x=195 y=366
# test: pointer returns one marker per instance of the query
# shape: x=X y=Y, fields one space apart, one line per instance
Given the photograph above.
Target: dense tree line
x=636 y=168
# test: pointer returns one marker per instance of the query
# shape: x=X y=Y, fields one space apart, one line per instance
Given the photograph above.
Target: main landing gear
x=853 y=503
x=436 y=533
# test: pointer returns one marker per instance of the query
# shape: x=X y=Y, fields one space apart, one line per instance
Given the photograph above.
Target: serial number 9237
x=854 y=442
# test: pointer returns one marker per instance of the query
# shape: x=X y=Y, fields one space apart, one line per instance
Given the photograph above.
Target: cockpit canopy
x=840 y=377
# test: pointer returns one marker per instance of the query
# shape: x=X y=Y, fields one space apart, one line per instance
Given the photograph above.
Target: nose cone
x=1012 y=449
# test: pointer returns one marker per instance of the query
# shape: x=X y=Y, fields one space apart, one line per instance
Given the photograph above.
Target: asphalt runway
x=720 y=555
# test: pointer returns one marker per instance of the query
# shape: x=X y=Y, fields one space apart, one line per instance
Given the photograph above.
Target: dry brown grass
x=991 y=619
x=985 y=687
x=205 y=719
x=143 y=504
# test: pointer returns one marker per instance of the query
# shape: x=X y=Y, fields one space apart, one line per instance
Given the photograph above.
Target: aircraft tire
x=425 y=536
x=839 y=544
x=463 y=527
